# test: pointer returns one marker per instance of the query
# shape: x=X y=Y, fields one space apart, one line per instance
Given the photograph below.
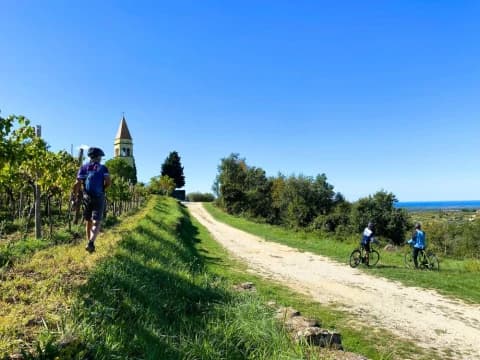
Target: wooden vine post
x=38 y=219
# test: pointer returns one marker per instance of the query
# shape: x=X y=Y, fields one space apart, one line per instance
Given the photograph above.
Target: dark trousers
x=415 y=256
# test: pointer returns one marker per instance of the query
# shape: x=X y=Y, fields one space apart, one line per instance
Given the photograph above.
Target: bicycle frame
x=358 y=256
x=425 y=260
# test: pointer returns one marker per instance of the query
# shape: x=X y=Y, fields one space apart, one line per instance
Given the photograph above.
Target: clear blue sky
x=375 y=94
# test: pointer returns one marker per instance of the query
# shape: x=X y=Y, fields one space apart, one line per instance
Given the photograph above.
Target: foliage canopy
x=303 y=201
x=172 y=167
x=119 y=167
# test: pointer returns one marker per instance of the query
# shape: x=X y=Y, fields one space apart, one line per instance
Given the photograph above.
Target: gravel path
x=449 y=327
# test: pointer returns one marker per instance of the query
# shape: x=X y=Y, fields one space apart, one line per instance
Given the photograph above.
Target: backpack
x=94 y=180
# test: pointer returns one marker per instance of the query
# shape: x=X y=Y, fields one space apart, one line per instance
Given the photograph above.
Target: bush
x=8 y=227
x=11 y=251
x=336 y=221
x=200 y=197
x=390 y=222
x=472 y=265
x=110 y=220
x=438 y=237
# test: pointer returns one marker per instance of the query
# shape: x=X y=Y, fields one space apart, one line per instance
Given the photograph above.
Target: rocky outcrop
x=308 y=330
x=246 y=286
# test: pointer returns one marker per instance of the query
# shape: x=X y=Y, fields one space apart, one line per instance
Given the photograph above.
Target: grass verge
x=356 y=336
x=38 y=285
x=153 y=299
x=145 y=294
x=456 y=278
x=159 y=287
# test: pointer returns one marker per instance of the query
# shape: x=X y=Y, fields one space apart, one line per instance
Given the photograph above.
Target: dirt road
x=450 y=327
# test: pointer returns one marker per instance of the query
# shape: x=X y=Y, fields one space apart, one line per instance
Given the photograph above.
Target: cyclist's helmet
x=95 y=152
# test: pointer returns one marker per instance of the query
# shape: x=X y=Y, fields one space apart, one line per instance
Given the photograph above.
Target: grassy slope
x=158 y=287
x=154 y=299
x=37 y=291
x=144 y=294
x=454 y=279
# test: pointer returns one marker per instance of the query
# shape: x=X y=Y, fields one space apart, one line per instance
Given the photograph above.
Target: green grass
x=456 y=278
x=154 y=299
x=356 y=337
x=15 y=250
x=144 y=294
x=37 y=287
x=159 y=287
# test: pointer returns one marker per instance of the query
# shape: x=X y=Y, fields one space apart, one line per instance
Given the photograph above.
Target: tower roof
x=123 y=132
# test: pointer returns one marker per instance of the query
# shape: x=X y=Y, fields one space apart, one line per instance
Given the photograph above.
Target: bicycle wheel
x=355 y=258
x=373 y=258
x=423 y=260
x=433 y=263
x=409 y=260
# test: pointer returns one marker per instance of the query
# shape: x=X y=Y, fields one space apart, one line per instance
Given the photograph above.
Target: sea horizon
x=439 y=205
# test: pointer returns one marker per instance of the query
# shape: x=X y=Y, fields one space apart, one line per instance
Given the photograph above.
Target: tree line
x=304 y=202
x=311 y=203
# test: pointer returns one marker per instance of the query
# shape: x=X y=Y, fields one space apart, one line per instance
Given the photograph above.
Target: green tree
x=337 y=219
x=324 y=194
x=389 y=221
x=301 y=199
x=277 y=193
x=258 y=193
x=230 y=181
x=297 y=210
x=296 y=201
x=16 y=135
x=172 y=167
x=119 y=167
x=163 y=185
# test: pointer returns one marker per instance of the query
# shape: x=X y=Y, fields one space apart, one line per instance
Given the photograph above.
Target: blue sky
x=375 y=94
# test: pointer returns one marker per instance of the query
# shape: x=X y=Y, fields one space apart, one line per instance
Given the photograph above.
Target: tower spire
x=123 y=132
x=123 y=145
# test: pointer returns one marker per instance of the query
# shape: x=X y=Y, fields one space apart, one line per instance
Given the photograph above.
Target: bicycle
x=358 y=256
x=425 y=260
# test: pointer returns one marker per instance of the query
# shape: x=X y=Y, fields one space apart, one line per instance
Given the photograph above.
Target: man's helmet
x=95 y=152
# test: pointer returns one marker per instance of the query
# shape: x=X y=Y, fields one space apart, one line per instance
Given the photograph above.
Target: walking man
x=93 y=178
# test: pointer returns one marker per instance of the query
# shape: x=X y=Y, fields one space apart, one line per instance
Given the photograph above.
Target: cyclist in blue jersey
x=417 y=242
x=93 y=178
x=367 y=238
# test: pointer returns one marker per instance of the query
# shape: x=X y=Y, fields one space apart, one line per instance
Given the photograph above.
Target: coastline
x=460 y=205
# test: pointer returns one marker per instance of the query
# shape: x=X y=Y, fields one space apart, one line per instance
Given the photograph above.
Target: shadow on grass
x=146 y=300
x=387 y=266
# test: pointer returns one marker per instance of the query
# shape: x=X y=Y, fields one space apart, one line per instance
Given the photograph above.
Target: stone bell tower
x=123 y=145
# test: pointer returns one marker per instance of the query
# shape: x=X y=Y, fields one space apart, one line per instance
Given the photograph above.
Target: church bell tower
x=123 y=145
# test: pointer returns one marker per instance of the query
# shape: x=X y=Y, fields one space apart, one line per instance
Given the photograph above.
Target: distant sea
x=438 y=205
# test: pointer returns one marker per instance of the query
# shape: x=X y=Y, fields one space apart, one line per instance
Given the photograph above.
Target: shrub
x=389 y=222
x=200 y=197
x=472 y=265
